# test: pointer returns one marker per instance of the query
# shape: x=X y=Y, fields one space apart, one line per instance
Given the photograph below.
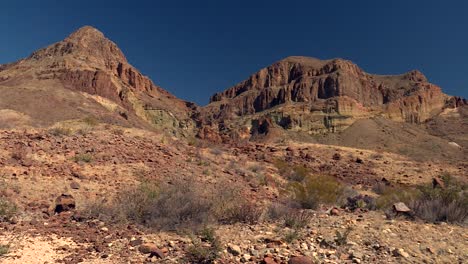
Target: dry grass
x=178 y=206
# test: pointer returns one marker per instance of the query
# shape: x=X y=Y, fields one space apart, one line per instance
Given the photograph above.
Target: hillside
x=86 y=75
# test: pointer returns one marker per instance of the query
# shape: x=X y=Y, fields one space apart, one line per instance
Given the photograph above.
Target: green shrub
x=4 y=249
x=317 y=190
x=291 y=172
x=392 y=195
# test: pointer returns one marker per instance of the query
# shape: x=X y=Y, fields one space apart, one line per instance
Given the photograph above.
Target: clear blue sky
x=196 y=48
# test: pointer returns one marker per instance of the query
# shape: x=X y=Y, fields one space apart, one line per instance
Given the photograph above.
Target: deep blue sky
x=195 y=48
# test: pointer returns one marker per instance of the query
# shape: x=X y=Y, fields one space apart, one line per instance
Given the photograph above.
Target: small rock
x=300 y=260
x=245 y=257
x=135 y=242
x=269 y=260
x=438 y=183
x=234 y=250
x=359 y=160
x=399 y=252
x=336 y=156
x=334 y=211
x=430 y=250
x=74 y=185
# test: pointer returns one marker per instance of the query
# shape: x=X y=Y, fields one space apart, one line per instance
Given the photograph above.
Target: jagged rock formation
x=90 y=73
x=86 y=74
x=319 y=96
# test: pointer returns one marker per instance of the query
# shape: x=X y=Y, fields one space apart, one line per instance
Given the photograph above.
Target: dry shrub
x=7 y=209
x=317 y=190
x=91 y=121
x=290 y=216
x=60 y=131
x=449 y=204
x=205 y=249
x=177 y=206
x=165 y=207
x=87 y=158
x=231 y=207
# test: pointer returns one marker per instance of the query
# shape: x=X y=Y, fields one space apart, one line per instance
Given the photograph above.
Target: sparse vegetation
x=342 y=237
x=4 y=249
x=231 y=207
x=7 y=209
x=172 y=206
x=292 y=235
x=180 y=205
x=431 y=203
x=60 y=131
x=317 y=190
x=87 y=158
x=91 y=121
x=291 y=172
x=206 y=252
x=390 y=195
x=291 y=217
x=448 y=203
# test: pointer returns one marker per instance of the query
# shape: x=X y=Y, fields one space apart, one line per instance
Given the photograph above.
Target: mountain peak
x=86 y=33
x=87 y=42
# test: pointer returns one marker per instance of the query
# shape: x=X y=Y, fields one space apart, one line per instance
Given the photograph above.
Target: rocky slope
x=320 y=96
x=87 y=75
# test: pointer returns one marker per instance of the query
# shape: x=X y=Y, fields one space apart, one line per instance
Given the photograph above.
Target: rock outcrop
x=320 y=96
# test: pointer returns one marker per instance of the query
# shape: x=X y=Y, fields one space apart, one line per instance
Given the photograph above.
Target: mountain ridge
x=86 y=74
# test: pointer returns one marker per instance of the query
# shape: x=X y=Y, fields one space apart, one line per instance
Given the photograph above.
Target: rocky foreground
x=54 y=175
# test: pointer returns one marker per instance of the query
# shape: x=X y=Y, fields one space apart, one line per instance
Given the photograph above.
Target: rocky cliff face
x=87 y=62
x=317 y=96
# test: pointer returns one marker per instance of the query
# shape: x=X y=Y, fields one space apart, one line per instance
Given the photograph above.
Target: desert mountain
x=86 y=75
x=320 y=97
x=297 y=98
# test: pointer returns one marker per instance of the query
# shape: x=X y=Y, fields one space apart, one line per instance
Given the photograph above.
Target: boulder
x=401 y=208
x=64 y=202
x=152 y=249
